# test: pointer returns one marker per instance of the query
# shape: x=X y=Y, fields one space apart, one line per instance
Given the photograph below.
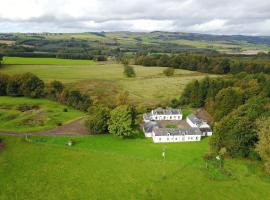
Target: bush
x=168 y=71
x=65 y=110
x=129 y=71
x=97 y=122
x=4 y=79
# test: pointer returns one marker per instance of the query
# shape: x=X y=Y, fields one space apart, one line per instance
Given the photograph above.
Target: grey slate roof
x=176 y=131
x=194 y=119
x=149 y=126
x=167 y=111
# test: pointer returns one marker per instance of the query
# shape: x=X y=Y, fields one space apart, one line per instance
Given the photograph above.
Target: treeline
x=203 y=63
x=240 y=106
x=29 y=85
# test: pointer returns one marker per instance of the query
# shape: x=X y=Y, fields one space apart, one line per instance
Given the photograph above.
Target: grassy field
x=105 y=81
x=105 y=167
x=44 y=61
x=40 y=114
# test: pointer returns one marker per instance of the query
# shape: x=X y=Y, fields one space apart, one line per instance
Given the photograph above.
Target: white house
x=148 y=128
x=195 y=122
x=161 y=135
x=163 y=114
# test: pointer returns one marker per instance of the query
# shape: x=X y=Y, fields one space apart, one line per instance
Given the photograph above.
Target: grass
x=105 y=167
x=44 y=115
x=105 y=81
x=44 y=61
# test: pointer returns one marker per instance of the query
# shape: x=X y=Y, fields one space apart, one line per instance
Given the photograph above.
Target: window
x=160 y=139
x=168 y=138
x=175 y=138
x=196 y=138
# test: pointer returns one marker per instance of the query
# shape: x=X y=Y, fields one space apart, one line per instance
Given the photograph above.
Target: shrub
x=97 y=122
x=129 y=71
x=168 y=71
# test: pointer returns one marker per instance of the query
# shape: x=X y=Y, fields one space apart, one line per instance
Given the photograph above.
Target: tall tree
x=263 y=146
x=122 y=121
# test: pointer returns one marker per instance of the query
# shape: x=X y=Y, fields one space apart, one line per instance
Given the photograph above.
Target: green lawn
x=105 y=81
x=41 y=115
x=44 y=61
x=105 y=167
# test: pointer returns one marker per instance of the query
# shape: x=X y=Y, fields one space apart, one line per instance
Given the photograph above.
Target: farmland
x=104 y=80
x=105 y=167
x=28 y=115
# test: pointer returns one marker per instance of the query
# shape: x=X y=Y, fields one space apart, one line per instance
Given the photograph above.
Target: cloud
x=204 y=16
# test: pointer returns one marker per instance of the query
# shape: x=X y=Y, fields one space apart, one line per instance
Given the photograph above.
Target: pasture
x=28 y=115
x=103 y=81
x=105 y=167
x=44 y=61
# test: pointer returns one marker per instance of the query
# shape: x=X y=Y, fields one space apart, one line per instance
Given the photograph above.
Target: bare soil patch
x=74 y=127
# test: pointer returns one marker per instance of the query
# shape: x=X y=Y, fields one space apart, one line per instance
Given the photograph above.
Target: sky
x=245 y=17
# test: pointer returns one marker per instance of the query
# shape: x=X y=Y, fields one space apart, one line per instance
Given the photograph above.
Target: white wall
x=185 y=138
x=167 y=117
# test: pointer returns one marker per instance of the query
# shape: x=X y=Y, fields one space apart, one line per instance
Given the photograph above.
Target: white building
x=148 y=128
x=195 y=122
x=161 y=135
x=163 y=114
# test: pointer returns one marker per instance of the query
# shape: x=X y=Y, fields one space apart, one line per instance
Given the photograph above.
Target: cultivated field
x=104 y=81
x=28 y=115
x=105 y=167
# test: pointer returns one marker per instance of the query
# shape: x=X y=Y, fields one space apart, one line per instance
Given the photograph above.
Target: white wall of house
x=167 y=117
x=184 y=138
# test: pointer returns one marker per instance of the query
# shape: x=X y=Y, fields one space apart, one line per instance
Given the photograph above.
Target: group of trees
x=128 y=70
x=203 y=63
x=29 y=85
x=120 y=121
x=238 y=103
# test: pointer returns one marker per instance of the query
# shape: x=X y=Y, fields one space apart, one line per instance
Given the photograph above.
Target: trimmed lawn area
x=105 y=167
x=19 y=114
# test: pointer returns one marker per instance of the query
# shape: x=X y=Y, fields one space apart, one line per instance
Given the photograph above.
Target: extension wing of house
x=176 y=134
x=195 y=122
x=163 y=114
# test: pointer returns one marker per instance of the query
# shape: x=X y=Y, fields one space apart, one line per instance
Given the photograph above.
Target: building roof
x=204 y=130
x=149 y=126
x=147 y=116
x=167 y=111
x=176 y=131
x=194 y=119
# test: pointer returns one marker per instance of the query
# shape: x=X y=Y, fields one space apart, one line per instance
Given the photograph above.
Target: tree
x=168 y=71
x=263 y=146
x=226 y=101
x=129 y=71
x=122 y=121
x=31 y=85
x=4 y=79
x=97 y=122
x=55 y=89
x=237 y=131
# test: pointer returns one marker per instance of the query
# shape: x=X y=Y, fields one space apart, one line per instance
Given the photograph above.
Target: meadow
x=44 y=61
x=19 y=114
x=105 y=167
x=103 y=81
